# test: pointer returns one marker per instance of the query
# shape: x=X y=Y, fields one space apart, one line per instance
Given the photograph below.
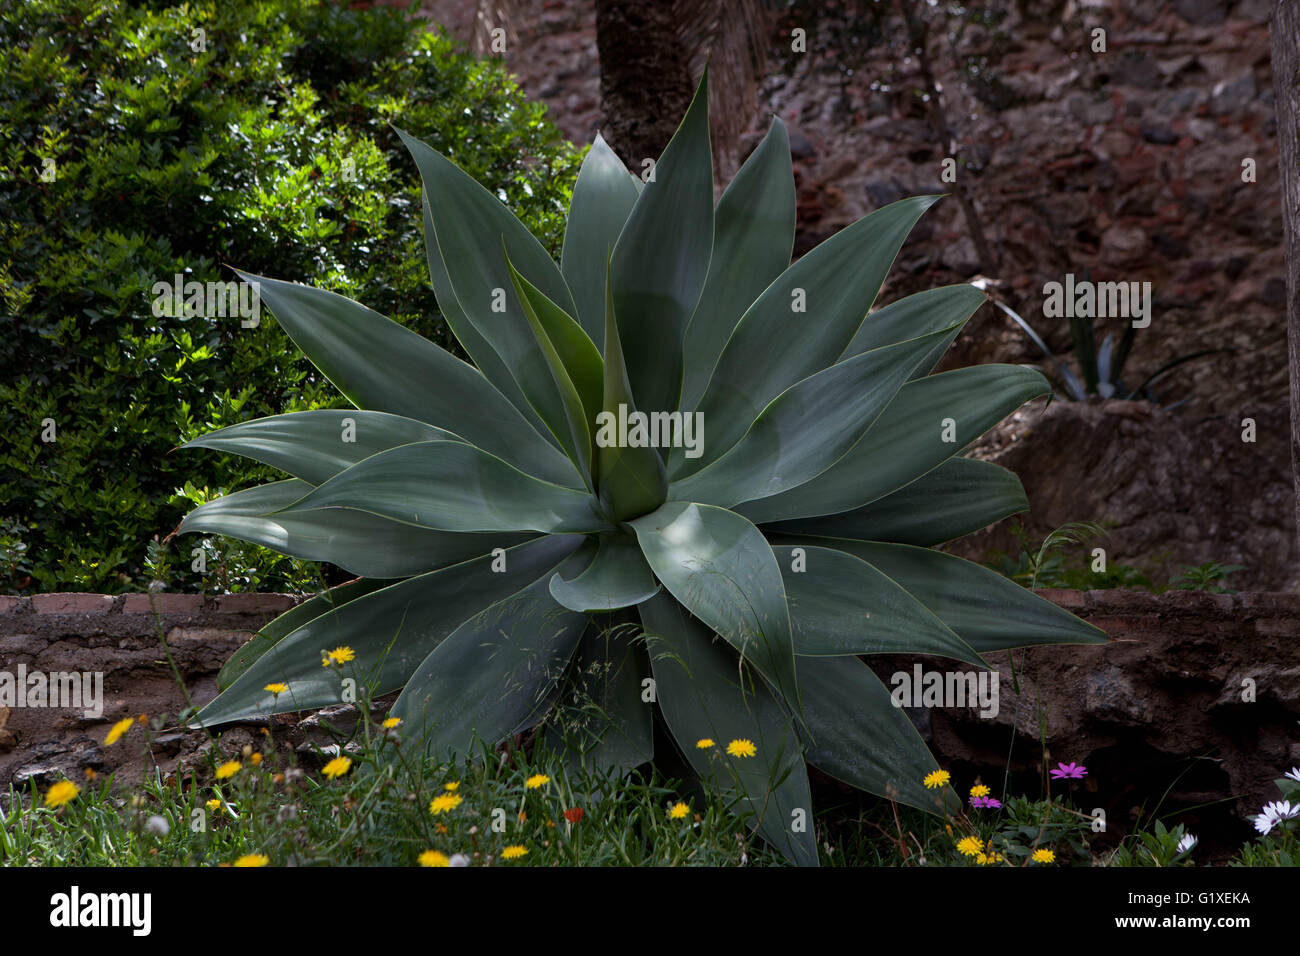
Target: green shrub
x=172 y=151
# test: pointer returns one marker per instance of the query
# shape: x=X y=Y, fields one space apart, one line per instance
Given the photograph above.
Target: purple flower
x=986 y=803
x=1069 y=771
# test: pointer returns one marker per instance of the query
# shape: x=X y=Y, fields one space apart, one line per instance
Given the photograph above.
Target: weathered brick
x=168 y=605
x=72 y=603
x=8 y=605
x=1062 y=597
x=270 y=605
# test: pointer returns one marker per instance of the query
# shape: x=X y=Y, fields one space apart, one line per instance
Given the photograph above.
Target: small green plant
x=1206 y=577
x=1159 y=846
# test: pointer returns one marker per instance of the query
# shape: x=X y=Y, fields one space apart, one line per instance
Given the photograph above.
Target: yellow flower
x=276 y=689
x=62 y=792
x=213 y=804
x=451 y=787
x=253 y=859
x=434 y=858
x=1044 y=856
x=255 y=760
x=988 y=859
x=514 y=852
x=537 y=780
x=936 y=779
x=970 y=846
x=441 y=828
x=340 y=655
x=678 y=810
x=979 y=790
x=119 y=728
x=704 y=743
x=743 y=747
x=444 y=803
x=229 y=769
x=337 y=767
x=392 y=722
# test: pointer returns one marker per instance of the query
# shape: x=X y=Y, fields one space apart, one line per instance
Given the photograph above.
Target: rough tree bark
x=1285 y=30
x=645 y=76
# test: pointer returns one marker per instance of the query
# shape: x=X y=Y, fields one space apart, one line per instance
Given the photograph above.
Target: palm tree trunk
x=1285 y=30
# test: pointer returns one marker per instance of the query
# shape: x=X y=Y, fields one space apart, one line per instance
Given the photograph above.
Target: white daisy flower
x=1187 y=842
x=1274 y=813
x=1294 y=774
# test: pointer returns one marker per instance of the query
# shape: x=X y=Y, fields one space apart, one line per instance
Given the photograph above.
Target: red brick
x=72 y=603
x=168 y=605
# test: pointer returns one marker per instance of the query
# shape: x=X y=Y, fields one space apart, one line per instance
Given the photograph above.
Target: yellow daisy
x=255 y=760
x=276 y=689
x=936 y=779
x=744 y=747
x=704 y=743
x=537 y=780
x=392 y=722
x=252 y=859
x=451 y=787
x=340 y=655
x=337 y=767
x=678 y=810
x=970 y=846
x=62 y=792
x=434 y=858
x=229 y=769
x=213 y=804
x=514 y=852
x=979 y=790
x=444 y=803
x=119 y=728
x=1044 y=856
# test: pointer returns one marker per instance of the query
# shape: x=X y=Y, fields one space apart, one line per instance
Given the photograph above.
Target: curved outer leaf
x=960 y=496
x=290 y=621
x=617 y=576
x=451 y=486
x=601 y=720
x=575 y=368
x=753 y=235
x=603 y=198
x=840 y=605
x=494 y=676
x=662 y=259
x=906 y=441
x=986 y=610
x=807 y=428
x=391 y=630
x=704 y=694
x=633 y=481
x=915 y=315
x=860 y=737
x=483 y=356
x=471 y=226
x=360 y=542
x=310 y=445
x=773 y=346
x=382 y=366
x=721 y=569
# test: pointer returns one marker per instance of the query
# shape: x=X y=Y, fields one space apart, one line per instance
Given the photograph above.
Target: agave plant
x=521 y=567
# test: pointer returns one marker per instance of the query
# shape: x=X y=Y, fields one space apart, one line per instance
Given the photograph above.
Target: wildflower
x=277 y=689
x=1274 y=813
x=744 y=747
x=62 y=792
x=1069 y=771
x=986 y=803
x=1044 y=855
x=214 y=804
x=452 y=786
x=678 y=810
x=158 y=826
x=256 y=760
x=441 y=828
x=1186 y=844
x=970 y=846
x=1294 y=774
x=434 y=858
x=459 y=859
x=979 y=790
x=936 y=779
x=704 y=743
x=118 y=729
x=514 y=852
x=392 y=723
x=229 y=769
x=537 y=780
x=444 y=803
x=988 y=859
x=142 y=719
x=573 y=814
x=340 y=655
x=252 y=859
x=90 y=774
x=337 y=767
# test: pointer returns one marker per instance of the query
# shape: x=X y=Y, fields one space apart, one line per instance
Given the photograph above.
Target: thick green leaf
x=316 y=445
x=391 y=631
x=617 y=576
x=662 y=259
x=494 y=676
x=632 y=480
x=704 y=693
x=603 y=719
x=907 y=440
x=915 y=315
x=774 y=346
x=451 y=486
x=603 y=198
x=986 y=610
x=753 y=236
x=840 y=605
x=357 y=541
x=290 y=621
x=807 y=428
x=860 y=737
x=721 y=569
x=960 y=496
x=380 y=365
x=575 y=368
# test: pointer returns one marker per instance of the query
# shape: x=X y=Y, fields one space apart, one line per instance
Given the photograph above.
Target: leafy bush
x=262 y=142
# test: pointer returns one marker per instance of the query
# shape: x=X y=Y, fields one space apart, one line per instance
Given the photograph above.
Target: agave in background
x=499 y=543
